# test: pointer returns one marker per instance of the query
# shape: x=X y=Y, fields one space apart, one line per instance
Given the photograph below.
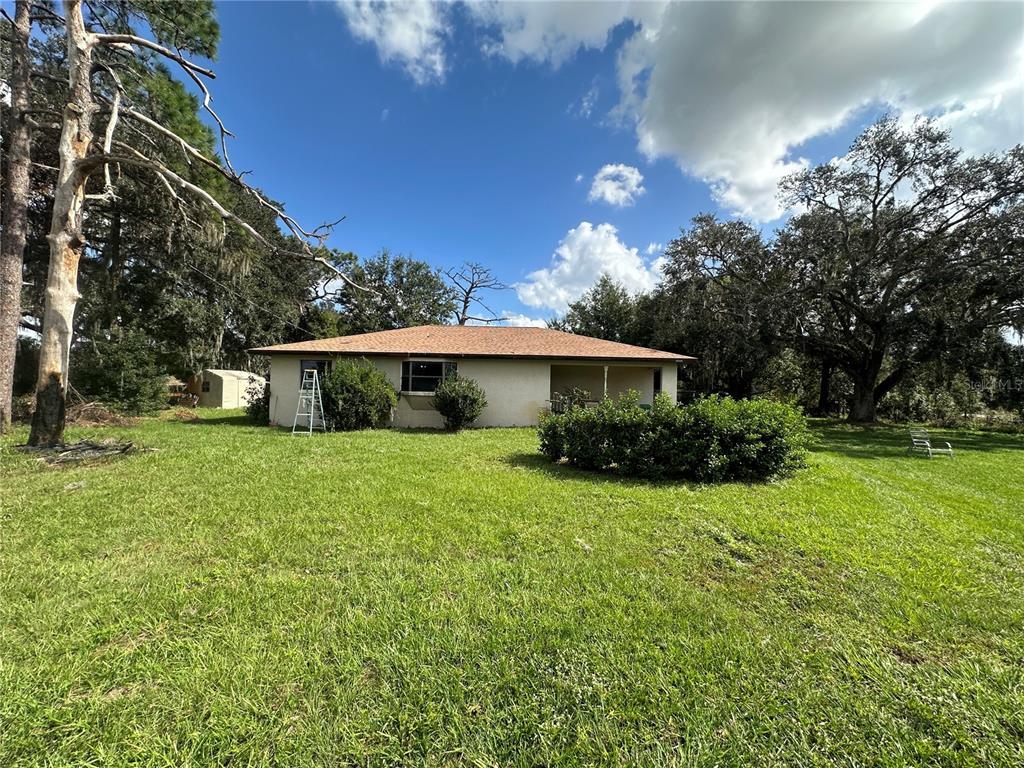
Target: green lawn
x=385 y=598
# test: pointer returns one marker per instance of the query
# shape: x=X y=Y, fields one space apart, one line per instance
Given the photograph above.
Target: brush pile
x=82 y=451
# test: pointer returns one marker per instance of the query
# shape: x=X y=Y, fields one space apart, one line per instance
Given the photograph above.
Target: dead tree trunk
x=15 y=212
x=76 y=163
x=65 y=238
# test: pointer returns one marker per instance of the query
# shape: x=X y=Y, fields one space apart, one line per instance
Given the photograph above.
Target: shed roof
x=475 y=341
x=224 y=373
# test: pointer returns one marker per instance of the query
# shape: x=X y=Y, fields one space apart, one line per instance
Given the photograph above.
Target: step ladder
x=310 y=406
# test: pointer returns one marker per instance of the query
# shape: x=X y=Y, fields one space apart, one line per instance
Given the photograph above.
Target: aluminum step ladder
x=310 y=406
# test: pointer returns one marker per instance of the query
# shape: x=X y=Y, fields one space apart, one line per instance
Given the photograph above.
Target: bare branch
x=108 y=135
x=123 y=40
x=319 y=234
x=137 y=159
x=468 y=281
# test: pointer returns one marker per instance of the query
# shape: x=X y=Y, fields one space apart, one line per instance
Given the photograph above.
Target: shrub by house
x=460 y=401
x=714 y=439
x=357 y=395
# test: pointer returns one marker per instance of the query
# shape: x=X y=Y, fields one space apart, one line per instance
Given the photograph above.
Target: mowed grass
x=241 y=596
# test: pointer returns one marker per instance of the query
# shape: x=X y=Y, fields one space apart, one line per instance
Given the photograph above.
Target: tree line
x=126 y=225
x=902 y=267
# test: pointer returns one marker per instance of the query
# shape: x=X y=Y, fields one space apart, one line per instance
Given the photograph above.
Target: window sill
x=418 y=401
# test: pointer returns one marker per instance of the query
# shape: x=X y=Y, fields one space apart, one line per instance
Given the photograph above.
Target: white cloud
x=584 y=254
x=384 y=114
x=585 y=106
x=730 y=91
x=617 y=184
x=579 y=177
x=517 y=320
x=551 y=32
x=733 y=90
x=408 y=32
x=653 y=249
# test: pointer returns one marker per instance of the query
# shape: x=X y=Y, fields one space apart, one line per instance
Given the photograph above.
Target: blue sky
x=458 y=133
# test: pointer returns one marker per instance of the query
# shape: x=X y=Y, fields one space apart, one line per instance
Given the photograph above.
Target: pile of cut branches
x=96 y=414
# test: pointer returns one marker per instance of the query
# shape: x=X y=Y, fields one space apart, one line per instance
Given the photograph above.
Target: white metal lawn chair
x=921 y=442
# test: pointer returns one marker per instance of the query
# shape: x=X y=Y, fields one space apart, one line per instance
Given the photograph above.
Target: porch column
x=605 y=382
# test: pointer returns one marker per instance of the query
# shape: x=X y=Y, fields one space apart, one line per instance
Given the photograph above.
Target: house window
x=425 y=375
x=206 y=386
x=657 y=381
x=322 y=367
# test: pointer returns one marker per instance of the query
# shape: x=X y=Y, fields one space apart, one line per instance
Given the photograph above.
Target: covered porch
x=600 y=381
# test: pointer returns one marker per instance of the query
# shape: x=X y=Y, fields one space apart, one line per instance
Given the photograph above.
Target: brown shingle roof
x=474 y=341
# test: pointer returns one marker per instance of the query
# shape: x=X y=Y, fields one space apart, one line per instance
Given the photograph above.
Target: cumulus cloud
x=584 y=254
x=617 y=184
x=731 y=92
x=517 y=320
x=410 y=33
x=550 y=32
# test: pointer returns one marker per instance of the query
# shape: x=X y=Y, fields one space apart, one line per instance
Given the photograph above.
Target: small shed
x=219 y=388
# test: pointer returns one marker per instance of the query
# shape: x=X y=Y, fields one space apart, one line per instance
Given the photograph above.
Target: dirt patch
x=907 y=655
x=186 y=415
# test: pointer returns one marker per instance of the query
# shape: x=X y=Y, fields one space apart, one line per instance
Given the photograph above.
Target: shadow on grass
x=887 y=442
x=540 y=463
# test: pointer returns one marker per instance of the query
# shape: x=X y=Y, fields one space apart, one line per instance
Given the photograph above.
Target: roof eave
x=478 y=356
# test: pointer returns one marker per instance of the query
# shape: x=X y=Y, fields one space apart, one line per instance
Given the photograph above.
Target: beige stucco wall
x=284 y=386
x=517 y=390
x=669 y=381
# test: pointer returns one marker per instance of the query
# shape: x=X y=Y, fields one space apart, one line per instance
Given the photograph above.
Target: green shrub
x=357 y=395
x=949 y=404
x=26 y=366
x=258 y=401
x=120 y=371
x=713 y=439
x=460 y=401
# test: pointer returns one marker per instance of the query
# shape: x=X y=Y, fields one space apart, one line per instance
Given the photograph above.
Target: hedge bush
x=257 y=406
x=714 y=439
x=120 y=370
x=460 y=401
x=357 y=395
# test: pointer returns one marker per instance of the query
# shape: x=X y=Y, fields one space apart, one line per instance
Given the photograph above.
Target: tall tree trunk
x=15 y=212
x=825 y=389
x=862 y=405
x=65 y=238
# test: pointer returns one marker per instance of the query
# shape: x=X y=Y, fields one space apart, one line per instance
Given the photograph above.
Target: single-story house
x=520 y=369
x=219 y=388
